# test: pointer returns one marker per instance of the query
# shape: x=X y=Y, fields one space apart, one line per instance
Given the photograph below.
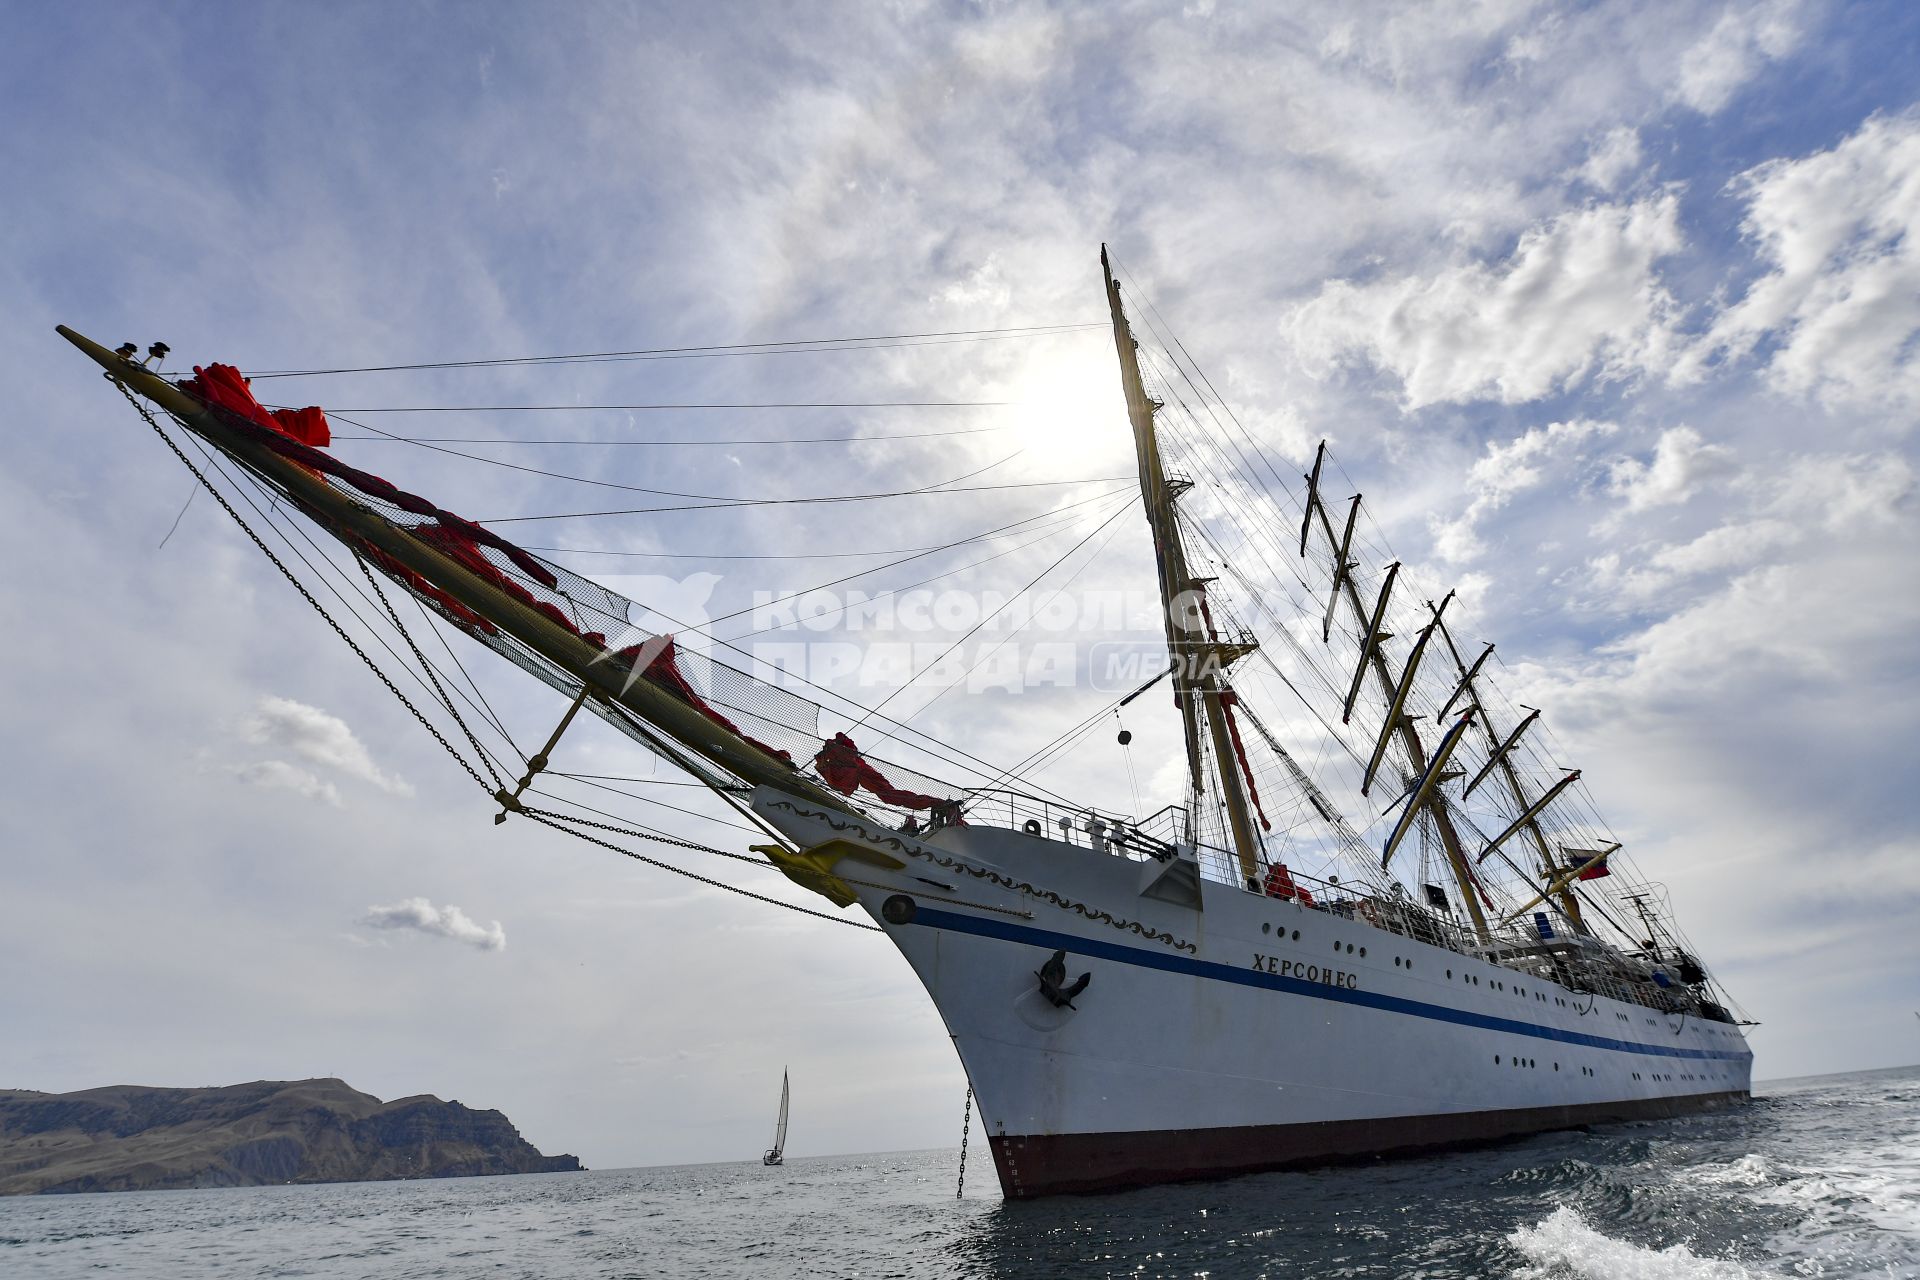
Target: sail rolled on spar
x=1397 y=708
x=1313 y=494
x=1466 y=680
x=1423 y=791
x=1501 y=752
x=1532 y=811
x=1369 y=642
x=1343 y=567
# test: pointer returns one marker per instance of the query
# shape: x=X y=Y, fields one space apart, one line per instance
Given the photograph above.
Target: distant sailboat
x=774 y=1155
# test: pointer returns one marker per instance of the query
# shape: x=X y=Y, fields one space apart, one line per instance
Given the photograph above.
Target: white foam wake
x=1564 y=1246
x=1751 y=1170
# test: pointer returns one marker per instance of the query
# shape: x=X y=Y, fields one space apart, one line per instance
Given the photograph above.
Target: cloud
x=1503 y=471
x=320 y=739
x=421 y=916
x=1616 y=155
x=279 y=775
x=1681 y=460
x=1744 y=39
x=1578 y=294
x=1808 y=496
x=1838 y=309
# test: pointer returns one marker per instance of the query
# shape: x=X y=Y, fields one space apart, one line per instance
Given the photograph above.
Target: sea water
x=1817 y=1177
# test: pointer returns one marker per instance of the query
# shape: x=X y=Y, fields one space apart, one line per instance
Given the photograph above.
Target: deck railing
x=1578 y=967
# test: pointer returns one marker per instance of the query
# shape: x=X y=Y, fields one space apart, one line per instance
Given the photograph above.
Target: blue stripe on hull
x=1006 y=931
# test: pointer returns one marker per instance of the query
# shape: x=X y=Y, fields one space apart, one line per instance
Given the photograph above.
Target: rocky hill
x=134 y=1138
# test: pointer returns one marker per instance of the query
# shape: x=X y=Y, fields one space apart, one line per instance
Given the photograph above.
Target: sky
x=1611 y=309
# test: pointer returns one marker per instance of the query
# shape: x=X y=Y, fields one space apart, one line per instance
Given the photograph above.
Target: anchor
x=1053 y=979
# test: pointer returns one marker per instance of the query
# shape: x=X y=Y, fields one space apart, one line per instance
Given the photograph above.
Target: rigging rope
x=1577 y=813
x=947 y=573
x=788 y=502
x=556 y=820
x=547 y=818
x=1032 y=615
x=720 y=498
x=713 y=555
x=652 y=408
x=384 y=437
x=427 y=667
x=794 y=345
x=875 y=709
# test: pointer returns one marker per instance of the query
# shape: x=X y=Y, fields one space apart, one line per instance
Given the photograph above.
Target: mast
x=1498 y=754
x=1196 y=681
x=1373 y=656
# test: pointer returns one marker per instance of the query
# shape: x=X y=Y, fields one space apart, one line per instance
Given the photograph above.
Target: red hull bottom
x=1060 y=1164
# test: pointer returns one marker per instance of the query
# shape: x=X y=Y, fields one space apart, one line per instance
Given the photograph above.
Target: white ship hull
x=1238 y=1033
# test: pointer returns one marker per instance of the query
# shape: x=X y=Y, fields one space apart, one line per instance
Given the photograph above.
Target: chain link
x=966 y=1123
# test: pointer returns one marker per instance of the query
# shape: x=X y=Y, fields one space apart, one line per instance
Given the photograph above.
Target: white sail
x=776 y=1152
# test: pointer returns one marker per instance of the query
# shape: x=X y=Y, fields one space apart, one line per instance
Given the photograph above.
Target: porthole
x=1363 y=953
x=1266 y=926
x=1449 y=975
x=1496 y=1059
x=1396 y=962
x=1349 y=948
x=1296 y=935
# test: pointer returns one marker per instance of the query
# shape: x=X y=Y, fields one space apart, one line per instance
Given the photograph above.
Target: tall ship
x=1383 y=917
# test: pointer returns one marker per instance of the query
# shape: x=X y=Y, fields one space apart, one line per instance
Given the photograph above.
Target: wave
x=1564 y=1247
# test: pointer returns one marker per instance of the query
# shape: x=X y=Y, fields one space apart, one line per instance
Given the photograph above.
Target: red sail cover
x=846 y=770
x=413 y=581
x=222 y=384
x=299 y=435
x=1227 y=700
x=228 y=392
x=1280 y=885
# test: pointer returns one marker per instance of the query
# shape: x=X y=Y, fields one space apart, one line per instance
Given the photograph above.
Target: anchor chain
x=966 y=1123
